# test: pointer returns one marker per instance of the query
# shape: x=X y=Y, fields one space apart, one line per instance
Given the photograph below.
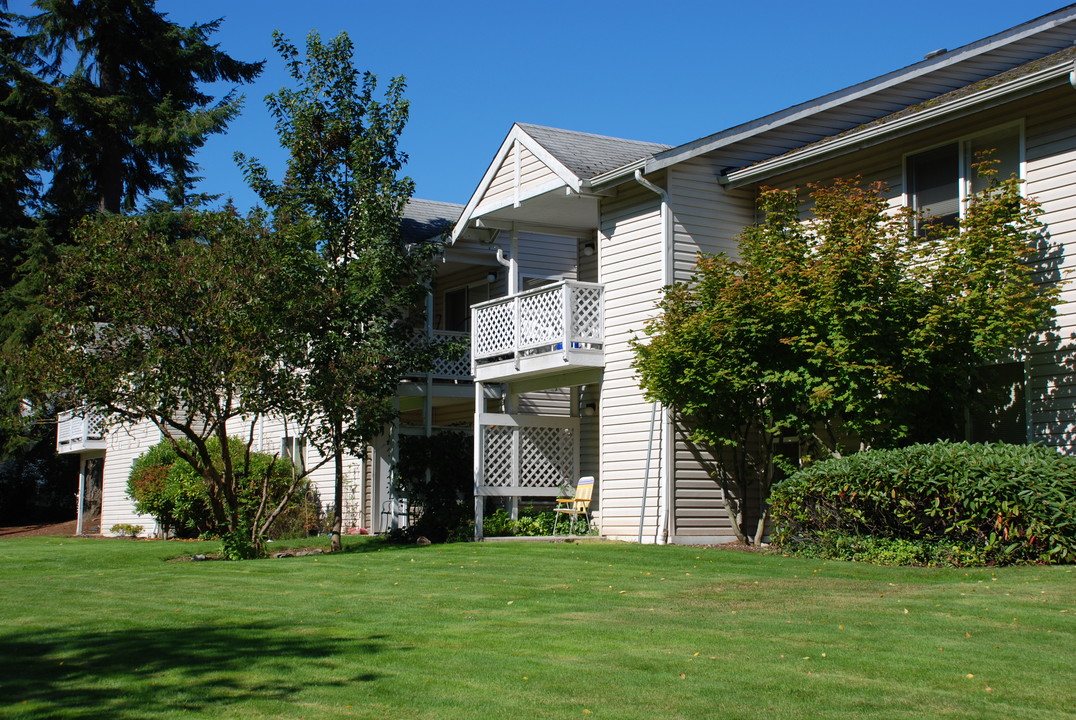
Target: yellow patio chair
x=575 y=506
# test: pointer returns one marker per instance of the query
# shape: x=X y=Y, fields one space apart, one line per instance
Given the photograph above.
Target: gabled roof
x=425 y=219
x=572 y=158
x=1058 y=68
x=587 y=155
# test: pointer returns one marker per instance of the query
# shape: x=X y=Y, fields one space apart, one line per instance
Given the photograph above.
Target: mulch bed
x=64 y=529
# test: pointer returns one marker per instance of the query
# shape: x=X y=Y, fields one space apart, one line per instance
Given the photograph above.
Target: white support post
x=479 y=453
x=81 y=493
x=510 y=407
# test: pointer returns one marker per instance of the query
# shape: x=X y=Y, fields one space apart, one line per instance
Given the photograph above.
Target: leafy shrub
x=168 y=488
x=531 y=523
x=836 y=545
x=949 y=503
x=127 y=530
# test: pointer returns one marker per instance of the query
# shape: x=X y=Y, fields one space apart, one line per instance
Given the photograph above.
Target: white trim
x=516 y=136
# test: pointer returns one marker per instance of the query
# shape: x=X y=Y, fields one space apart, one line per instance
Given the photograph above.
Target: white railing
x=76 y=430
x=457 y=367
x=561 y=317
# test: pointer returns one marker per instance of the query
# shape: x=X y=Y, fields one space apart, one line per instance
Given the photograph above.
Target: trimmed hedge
x=996 y=503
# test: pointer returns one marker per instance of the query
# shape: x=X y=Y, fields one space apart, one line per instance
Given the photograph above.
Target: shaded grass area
x=92 y=628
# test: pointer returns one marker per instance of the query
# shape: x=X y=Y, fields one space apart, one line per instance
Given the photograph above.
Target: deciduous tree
x=855 y=327
x=343 y=191
x=178 y=319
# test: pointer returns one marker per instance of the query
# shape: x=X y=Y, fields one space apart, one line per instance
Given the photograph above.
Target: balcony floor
x=538 y=365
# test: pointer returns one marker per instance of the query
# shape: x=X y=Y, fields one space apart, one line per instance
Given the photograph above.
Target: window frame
x=965 y=174
x=466 y=288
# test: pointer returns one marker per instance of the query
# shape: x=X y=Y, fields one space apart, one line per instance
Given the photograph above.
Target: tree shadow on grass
x=133 y=673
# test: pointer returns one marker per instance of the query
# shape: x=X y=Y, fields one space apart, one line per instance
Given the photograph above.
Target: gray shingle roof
x=589 y=155
x=424 y=219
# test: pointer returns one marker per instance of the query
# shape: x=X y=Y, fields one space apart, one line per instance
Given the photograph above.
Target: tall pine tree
x=102 y=104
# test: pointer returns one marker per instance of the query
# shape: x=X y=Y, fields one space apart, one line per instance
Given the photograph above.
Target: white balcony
x=79 y=432
x=544 y=331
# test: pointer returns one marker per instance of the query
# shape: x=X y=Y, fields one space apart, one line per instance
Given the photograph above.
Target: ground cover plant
x=109 y=628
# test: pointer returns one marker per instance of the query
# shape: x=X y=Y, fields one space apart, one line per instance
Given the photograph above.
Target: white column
x=479 y=452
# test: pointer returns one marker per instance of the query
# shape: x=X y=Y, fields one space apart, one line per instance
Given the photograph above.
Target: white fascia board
x=873 y=135
x=855 y=92
x=474 y=206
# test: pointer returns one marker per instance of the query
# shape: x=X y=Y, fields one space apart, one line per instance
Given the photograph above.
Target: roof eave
x=873 y=135
x=795 y=113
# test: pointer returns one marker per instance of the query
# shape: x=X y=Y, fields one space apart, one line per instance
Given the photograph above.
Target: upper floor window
x=458 y=302
x=940 y=180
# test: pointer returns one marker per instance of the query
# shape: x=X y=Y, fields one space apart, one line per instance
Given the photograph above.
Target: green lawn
x=109 y=630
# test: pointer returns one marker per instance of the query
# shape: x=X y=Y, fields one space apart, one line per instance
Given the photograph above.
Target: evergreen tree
x=129 y=109
x=101 y=105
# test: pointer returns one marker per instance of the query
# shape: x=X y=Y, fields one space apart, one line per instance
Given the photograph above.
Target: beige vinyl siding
x=125 y=444
x=547 y=257
x=707 y=219
x=555 y=401
x=517 y=181
x=1050 y=155
x=630 y=269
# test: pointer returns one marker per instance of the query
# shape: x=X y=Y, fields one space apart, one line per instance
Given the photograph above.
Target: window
x=940 y=180
x=458 y=304
x=294 y=449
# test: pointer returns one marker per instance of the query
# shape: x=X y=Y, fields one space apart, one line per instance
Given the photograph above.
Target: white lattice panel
x=587 y=317
x=546 y=456
x=541 y=318
x=494 y=329
x=95 y=427
x=519 y=459
x=498 y=460
x=454 y=367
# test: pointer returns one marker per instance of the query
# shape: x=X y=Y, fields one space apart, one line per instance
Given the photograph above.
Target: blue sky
x=668 y=71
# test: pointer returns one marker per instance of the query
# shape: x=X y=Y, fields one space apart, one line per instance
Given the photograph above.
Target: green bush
x=947 y=504
x=531 y=523
x=442 y=504
x=168 y=488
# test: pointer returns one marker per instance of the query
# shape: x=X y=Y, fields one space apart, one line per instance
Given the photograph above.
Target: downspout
x=1072 y=76
x=508 y=263
x=664 y=480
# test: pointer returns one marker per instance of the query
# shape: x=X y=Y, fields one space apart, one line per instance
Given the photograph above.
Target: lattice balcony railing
x=561 y=317
x=76 y=429
x=457 y=367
